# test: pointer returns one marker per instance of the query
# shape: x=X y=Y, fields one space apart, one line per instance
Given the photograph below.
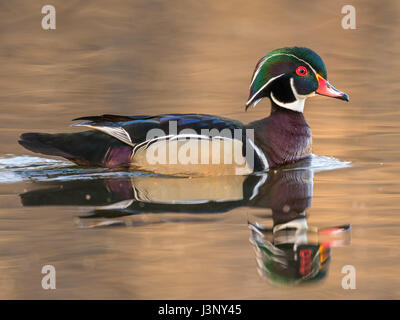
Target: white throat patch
x=298 y=104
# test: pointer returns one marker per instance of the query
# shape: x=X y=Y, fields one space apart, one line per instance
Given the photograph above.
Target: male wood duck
x=286 y=76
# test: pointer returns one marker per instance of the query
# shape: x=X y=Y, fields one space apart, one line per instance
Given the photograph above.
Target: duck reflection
x=117 y=197
x=291 y=252
x=288 y=252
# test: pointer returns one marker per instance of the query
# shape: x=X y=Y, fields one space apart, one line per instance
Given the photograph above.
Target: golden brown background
x=145 y=57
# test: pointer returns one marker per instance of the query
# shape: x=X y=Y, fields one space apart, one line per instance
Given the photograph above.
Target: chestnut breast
x=284 y=137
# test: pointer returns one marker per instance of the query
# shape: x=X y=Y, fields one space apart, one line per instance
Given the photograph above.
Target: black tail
x=84 y=148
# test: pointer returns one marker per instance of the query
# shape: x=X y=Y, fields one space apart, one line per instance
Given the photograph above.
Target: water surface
x=115 y=234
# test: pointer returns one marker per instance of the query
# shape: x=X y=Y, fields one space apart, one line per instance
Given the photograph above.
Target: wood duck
x=200 y=144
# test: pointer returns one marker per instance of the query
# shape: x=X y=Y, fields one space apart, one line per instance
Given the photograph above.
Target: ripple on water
x=28 y=168
x=324 y=163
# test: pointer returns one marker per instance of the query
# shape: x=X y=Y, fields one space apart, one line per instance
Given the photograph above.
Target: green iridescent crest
x=287 y=73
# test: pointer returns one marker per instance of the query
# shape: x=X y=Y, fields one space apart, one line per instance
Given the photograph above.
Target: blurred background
x=148 y=57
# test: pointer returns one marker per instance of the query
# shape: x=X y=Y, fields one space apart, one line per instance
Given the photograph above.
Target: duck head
x=288 y=76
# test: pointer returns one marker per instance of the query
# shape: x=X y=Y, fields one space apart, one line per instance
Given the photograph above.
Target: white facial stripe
x=297 y=105
x=262 y=88
x=257 y=101
x=279 y=54
x=259 y=68
x=298 y=95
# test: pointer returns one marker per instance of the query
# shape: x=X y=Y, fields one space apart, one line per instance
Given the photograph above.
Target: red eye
x=301 y=71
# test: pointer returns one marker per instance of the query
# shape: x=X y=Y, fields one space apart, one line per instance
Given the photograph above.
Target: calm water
x=129 y=235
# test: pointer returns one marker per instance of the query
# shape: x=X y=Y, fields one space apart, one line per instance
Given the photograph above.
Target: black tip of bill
x=344 y=97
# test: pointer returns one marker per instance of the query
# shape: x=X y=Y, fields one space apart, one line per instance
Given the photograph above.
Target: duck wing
x=133 y=130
